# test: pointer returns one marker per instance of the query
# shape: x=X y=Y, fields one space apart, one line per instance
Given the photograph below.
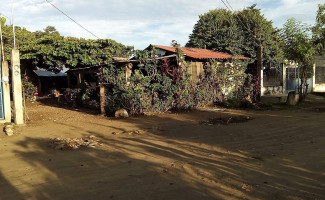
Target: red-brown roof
x=201 y=53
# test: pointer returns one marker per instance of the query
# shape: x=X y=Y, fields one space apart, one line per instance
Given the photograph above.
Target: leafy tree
x=23 y=37
x=299 y=47
x=54 y=52
x=240 y=32
x=258 y=32
x=246 y=32
x=49 y=30
x=319 y=29
x=217 y=30
x=49 y=50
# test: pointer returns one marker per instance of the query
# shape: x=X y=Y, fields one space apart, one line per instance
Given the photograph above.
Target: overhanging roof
x=201 y=53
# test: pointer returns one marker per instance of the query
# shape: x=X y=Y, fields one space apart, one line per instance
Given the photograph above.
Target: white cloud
x=142 y=22
x=302 y=10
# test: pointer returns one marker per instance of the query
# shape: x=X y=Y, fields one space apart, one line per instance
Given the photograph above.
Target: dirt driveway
x=276 y=155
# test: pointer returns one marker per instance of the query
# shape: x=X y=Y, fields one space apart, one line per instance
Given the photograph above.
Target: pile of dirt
x=73 y=143
x=226 y=120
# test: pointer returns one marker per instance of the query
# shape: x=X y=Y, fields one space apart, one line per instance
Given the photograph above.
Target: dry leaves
x=226 y=120
x=73 y=143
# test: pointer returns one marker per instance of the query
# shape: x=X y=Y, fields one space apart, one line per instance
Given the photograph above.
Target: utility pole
x=16 y=78
x=1 y=40
x=12 y=21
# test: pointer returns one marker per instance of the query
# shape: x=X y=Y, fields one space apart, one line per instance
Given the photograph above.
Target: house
x=47 y=80
x=197 y=58
x=319 y=74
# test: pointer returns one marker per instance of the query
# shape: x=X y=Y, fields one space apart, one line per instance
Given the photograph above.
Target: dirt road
x=277 y=155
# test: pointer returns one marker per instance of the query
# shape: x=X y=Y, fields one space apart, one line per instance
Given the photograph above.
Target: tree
x=217 y=30
x=319 y=30
x=299 y=47
x=23 y=37
x=258 y=32
x=241 y=32
x=54 y=52
x=246 y=32
x=49 y=50
x=51 y=30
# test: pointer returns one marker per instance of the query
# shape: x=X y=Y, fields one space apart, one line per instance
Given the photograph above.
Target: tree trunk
x=303 y=88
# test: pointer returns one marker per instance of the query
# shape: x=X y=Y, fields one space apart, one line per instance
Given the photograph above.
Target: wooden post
x=80 y=77
x=102 y=99
x=102 y=92
x=284 y=78
x=314 y=77
x=6 y=91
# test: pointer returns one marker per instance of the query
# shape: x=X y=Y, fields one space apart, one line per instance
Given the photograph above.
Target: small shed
x=48 y=80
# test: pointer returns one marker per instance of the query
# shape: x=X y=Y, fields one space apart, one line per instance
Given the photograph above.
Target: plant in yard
x=29 y=89
x=299 y=47
x=158 y=85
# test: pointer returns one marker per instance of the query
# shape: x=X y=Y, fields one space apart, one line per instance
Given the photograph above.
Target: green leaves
x=49 y=50
x=216 y=30
x=299 y=47
x=297 y=41
x=237 y=33
x=151 y=89
x=319 y=30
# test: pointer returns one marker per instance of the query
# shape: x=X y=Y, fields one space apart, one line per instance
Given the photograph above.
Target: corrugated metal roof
x=45 y=73
x=201 y=53
x=118 y=62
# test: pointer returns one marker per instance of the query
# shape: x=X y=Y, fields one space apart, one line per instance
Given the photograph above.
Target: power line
x=72 y=19
x=229 y=5
x=225 y=4
x=235 y=14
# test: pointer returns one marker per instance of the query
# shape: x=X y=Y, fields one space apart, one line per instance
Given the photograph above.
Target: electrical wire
x=229 y=5
x=231 y=9
x=72 y=19
x=225 y=4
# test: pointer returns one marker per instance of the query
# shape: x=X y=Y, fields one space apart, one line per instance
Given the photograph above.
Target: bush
x=29 y=89
x=163 y=85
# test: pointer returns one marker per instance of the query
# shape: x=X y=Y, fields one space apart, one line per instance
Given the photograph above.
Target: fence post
x=102 y=96
x=284 y=78
x=314 y=76
x=6 y=91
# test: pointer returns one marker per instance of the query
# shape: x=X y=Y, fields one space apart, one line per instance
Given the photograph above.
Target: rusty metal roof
x=201 y=53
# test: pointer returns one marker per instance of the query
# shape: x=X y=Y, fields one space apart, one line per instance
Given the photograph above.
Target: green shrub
x=161 y=86
x=29 y=89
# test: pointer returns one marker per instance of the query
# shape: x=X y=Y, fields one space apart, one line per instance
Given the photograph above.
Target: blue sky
x=143 y=22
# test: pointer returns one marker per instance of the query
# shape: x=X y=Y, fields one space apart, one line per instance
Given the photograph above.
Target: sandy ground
x=277 y=155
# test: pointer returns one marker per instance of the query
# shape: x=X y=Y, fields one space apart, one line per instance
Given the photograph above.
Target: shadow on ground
x=278 y=155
